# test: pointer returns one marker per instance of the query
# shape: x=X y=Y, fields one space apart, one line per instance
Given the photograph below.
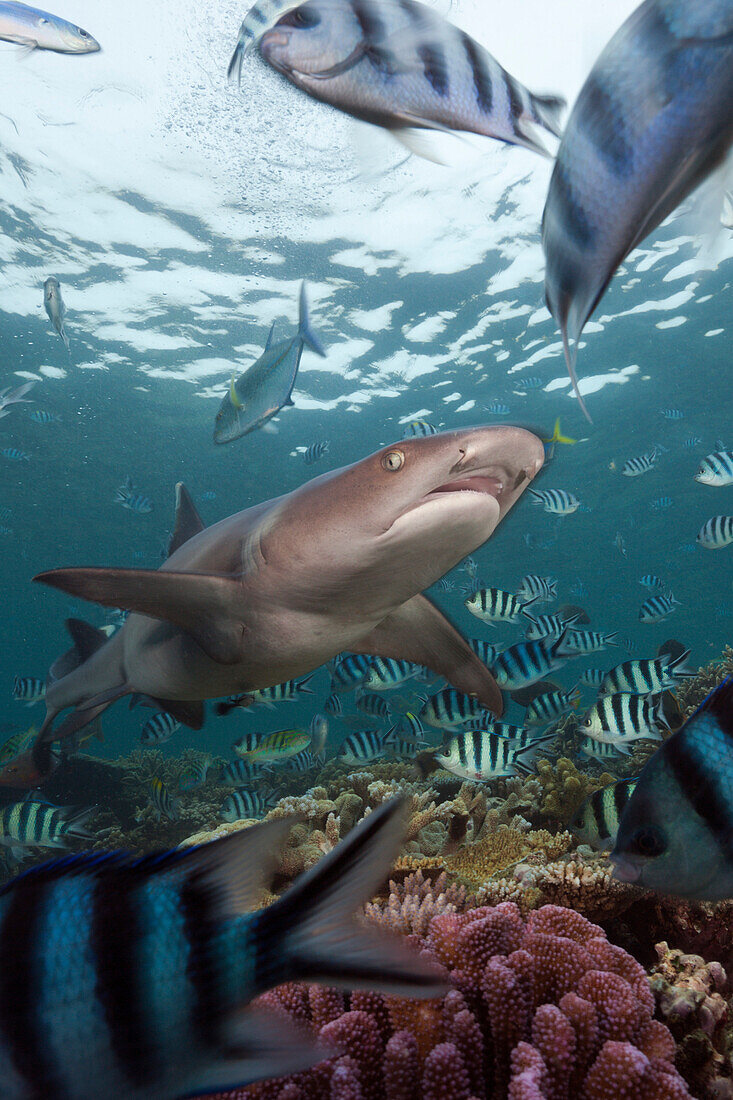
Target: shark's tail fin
x=305 y=332
x=310 y=933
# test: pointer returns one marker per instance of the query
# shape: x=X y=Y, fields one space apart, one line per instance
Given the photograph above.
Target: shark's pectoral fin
x=201 y=604
x=188 y=521
x=419 y=632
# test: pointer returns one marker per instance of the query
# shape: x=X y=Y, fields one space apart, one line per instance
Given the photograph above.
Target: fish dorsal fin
x=202 y=605
x=188 y=522
x=417 y=631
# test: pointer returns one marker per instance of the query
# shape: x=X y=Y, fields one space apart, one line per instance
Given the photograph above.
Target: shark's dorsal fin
x=270 y=336
x=187 y=523
x=417 y=631
x=202 y=605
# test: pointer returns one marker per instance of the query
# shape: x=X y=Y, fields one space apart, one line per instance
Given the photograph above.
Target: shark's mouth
x=481 y=483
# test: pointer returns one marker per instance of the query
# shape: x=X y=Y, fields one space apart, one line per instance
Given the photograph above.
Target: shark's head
x=398 y=520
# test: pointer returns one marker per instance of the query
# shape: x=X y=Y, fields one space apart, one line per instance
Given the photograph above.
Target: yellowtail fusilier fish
x=40 y=30
x=494 y=605
x=597 y=821
x=480 y=755
x=112 y=943
x=622 y=718
x=266 y=387
x=716 y=469
x=716 y=533
x=400 y=65
x=652 y=121
x=675 y=833
x=55 y=307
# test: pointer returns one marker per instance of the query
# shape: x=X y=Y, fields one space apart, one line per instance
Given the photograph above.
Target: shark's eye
x=393 y=460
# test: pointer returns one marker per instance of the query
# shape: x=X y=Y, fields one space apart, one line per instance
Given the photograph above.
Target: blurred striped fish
x=480 y=755
x=716 y=533
x=162 y=802
x=645 y=676
x=28 y=690
x=387 y=672
x=716 y=469
x=159 y=729
x=34 y=824
x=653 y=119
x=635 y=467
x=316 y=451
x=556 y=501
x=243 y=804
x=657 y=608
x=596 y=822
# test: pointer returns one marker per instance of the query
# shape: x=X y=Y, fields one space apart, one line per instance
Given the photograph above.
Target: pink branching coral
x=542 y=1009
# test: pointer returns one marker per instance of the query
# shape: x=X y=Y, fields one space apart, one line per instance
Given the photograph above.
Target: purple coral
x=542 y=1009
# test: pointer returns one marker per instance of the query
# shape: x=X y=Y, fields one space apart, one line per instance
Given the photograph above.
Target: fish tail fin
x=305 y=332
x=609 y=639
x=525 y=759
x=76 y=824
x=678 y=666
x=546 y=111
x=558 y=437
x=570 y=356
x=310 y=933
x=234 y=70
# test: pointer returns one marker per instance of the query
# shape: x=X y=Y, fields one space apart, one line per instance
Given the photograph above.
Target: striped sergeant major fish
x=411 y=726
x=652 y=581
x=485 y=651
x=270 y=748
x=333 y=705
x=43 y=416
x=372 y=703
x=692 y=442
x=548 y=626
x=597 y=821
x=646 y=676
x=367 y=745
x=593 y=677
x=556 y=501
x=550 y=706
x=417 y=428
x=494 y=605
x=29 y=690
x=304 y=761
x=590 y=641
x=497 y=408
x=451 y=708
x=501 y=729
x=716 y=469
x=716 y=533
x=15 y=455
x=660 y=504
x=134 y=502
x=278 y=693
x=657 y=608
x=635 y=467
x=243 y=804
x=127 y=977
x=238 y=772
x=316 y=451
x=521 y=665
x=36 y=824
x=533 y=382
x=672 y=414
x=353 y=669
x=675 y=833
x=164 y=805
x=195 y=773
x=622 y=718
x=652 y=120
x=480 y=755
x=387 y=672
x=400 y=65
x=598 y=750
x=159 y=729
x=543 y=589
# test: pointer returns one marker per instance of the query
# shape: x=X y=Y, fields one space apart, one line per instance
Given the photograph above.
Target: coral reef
x=692 y=691
x=539 y=1009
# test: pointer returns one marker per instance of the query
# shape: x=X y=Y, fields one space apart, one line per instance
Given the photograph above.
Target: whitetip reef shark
x=275 y=591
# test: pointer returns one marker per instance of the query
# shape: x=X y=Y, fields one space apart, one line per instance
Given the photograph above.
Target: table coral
x=542 y=1008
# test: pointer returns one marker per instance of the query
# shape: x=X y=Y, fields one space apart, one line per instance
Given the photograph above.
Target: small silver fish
x=16 y=396
x=40 y=30
x=266 y=387
x=398 y=64
x=54 y=306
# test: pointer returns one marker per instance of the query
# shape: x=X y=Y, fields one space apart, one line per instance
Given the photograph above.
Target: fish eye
x=649 y=841
x=393 y=460
x=300 y=18
x=82 y=32
x=587 y=721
